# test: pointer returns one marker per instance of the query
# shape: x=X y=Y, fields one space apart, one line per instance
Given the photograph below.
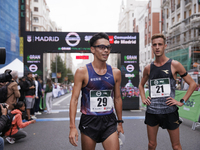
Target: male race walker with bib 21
x=162 y=108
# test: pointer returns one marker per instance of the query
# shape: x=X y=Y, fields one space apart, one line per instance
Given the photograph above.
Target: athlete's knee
x=152 y=145
x=176 y=146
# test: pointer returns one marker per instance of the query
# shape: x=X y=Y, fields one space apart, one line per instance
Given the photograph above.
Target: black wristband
x=120 y=121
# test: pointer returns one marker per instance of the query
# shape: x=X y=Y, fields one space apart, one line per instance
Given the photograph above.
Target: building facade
x=144 y=17
x=9 y=31
x=182 y=28
x=38 y=20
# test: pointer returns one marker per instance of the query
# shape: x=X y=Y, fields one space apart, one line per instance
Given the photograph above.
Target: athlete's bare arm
x=117 y=97
x=177 y=67
x=79 y=81
x=145 y=77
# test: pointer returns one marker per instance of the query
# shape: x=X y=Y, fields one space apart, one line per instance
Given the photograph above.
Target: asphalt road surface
x=51 y=132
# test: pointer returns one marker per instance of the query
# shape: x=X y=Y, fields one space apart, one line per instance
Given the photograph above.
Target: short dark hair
x=19 y=104
x=159 y=35
x=100 y=35
x=29 y=73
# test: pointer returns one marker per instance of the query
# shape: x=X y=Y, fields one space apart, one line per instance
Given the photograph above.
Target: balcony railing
x=188 y=20
x=187 y=1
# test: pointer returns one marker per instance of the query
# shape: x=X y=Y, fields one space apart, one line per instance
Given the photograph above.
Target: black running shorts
x=166 y=121
x=98 y=128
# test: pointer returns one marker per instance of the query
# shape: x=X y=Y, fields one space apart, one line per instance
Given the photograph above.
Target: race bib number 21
x=160 y=87
x=101 y=100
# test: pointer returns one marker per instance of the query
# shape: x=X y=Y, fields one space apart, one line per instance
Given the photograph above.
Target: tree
x=61 y=67
x=70 y=75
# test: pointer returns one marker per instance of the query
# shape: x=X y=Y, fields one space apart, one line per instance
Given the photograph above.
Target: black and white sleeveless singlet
x=161 y=86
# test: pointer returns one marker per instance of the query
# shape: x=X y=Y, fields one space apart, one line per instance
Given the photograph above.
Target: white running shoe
x=10 y=140
x=33 y=117
x=38 y=113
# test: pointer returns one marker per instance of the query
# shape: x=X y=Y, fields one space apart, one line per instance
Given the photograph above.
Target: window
x=35 y=0
x=36 y=9
x=178 y=17
x=179 y=4
x=36 y=19
x=35 y=28
x=190 y=33
x=173 y=20
x=194 y=33
x=167 y=13
x=178 y=39
x=185 y=37
x=27 y=13
x=185 y=15
x=27 y=25
x=194 y=8
x=199 y=8
x=190 y=12
x=173 y=6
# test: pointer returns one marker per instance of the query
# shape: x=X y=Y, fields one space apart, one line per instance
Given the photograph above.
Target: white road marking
x=58 y=102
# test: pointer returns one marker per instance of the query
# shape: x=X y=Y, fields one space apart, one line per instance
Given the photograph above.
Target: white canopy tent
x=15 y=65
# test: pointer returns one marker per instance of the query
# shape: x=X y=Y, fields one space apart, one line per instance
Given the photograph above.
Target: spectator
x=48 y=92
x=21 y=84
x=185 y=86
x=13 y=90
x=36 y=97
x=29 y=87
x=14 y=133
x=3 y=121
x=39 y=93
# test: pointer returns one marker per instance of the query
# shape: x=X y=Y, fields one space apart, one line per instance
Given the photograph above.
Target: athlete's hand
x=170 y=101
x=120 y=128
x=147 y=101
x=73 y=136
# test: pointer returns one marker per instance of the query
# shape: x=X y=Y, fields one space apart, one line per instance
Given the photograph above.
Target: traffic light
x=198 y=2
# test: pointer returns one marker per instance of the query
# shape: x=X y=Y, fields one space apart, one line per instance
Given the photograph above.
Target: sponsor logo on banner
x=88 y=37
x=29 y=38
x=33 y=59
x=124 y=39
x=46 y=38
x=130 y=68
x=33 y=68
x=130 y=59
x=72 y=39
x=111 y=39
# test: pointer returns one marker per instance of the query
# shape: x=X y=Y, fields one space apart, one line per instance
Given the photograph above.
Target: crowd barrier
x=191 y=110
x=57 y=92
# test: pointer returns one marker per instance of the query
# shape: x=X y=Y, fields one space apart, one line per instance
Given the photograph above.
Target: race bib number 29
x=160 y=87
x=101 y=100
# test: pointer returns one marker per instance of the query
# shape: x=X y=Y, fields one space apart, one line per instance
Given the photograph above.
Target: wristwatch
x=120 y=121
x=182 y=101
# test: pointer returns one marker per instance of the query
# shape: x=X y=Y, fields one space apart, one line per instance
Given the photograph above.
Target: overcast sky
x=85 y=15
